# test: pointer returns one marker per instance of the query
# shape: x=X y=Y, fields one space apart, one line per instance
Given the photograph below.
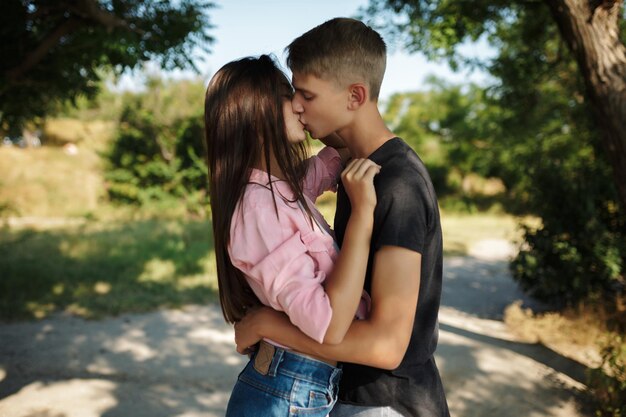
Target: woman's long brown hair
x=243 y=116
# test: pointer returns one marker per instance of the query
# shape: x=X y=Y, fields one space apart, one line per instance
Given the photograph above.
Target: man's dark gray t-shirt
x=406 y=215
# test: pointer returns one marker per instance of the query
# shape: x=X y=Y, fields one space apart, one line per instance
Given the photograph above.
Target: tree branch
x=32 y=59
x=90 y=10
x=82 y=12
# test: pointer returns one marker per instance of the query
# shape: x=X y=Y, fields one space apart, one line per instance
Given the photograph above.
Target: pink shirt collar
x=259 y=176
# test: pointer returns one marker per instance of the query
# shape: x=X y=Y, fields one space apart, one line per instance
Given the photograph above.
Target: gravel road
x=183 y=363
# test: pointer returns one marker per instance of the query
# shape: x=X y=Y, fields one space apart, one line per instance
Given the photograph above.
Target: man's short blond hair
x=342 y=50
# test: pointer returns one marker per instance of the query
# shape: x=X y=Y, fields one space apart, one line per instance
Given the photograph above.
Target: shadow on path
x=159 y=364
x=183 y=362
x=482 y=288
x=535 y=351
x=484 y=369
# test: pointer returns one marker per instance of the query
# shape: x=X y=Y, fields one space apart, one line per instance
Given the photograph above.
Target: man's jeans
x=349 y=410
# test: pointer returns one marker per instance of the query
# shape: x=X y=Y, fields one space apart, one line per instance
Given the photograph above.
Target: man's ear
x=358 y=95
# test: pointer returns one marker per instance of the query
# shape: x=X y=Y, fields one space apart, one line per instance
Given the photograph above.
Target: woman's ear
x=358 y=96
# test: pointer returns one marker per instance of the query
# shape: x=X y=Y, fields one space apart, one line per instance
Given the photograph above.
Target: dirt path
x=182 y=362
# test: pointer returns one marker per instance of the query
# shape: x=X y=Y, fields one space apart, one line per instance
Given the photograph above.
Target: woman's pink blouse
x=286 y=258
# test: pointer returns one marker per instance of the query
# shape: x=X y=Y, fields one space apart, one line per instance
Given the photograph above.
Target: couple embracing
x=339 y=321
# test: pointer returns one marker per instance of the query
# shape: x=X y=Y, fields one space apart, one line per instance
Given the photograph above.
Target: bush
x=158 y=153
x=608 y=382
x=580 y=249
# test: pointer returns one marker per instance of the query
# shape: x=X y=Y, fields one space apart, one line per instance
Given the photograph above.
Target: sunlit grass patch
x=461 y=231
x=48 y=182
x=110 y=266
x=100 y=269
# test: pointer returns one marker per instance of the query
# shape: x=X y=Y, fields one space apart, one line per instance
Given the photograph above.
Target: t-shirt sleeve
x=402 y=215
x=322 y=173
x=277 y=262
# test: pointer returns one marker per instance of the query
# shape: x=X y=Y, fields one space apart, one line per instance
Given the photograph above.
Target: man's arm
x=379 y=341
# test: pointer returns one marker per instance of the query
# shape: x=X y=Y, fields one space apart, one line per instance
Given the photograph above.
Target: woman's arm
x=277 y=262
x=345 y=283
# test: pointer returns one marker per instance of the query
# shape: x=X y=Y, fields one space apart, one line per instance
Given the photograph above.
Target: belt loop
x=278 y=356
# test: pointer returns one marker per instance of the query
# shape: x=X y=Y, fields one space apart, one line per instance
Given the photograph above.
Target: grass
x=112 y=265
x=461 y=231
x=96 y=269
x=49 y=182
x=63 y=248
x=573 y=331
x=92 y=135
x=33 y=188
x=591 y=333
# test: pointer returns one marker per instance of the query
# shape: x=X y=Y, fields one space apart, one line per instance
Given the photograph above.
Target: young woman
x=272 y=245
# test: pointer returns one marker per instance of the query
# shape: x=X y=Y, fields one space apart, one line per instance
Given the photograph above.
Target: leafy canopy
x=54 y=50
x=533 y=129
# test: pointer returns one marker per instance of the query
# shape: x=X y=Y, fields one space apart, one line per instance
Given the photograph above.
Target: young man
x=388 y=363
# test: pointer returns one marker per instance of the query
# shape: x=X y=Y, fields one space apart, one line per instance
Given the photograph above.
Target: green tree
x=537 y=131
x=451 y=128
x=57 y=50
x=557 y=139
x=590 y=33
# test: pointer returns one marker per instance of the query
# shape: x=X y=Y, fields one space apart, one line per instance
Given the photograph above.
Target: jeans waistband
x=297 y=365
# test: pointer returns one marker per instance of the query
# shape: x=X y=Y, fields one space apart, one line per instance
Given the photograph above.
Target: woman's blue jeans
x=294 y=385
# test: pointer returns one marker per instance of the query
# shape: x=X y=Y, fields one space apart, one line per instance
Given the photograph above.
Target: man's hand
x=247 y=329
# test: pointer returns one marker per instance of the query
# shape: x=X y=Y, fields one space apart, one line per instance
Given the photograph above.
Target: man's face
x=321 y=105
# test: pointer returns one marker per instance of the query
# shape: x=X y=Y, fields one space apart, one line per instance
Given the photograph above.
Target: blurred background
x=517 y=113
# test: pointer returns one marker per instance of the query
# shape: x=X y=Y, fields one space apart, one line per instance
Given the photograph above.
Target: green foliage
x=608 y=381
x=532 y=129
x=158 y=152
x=106 y=105
x=580 y=250
x=449 y=127
x=440 y=28
x=57 y=50
x=555 y=168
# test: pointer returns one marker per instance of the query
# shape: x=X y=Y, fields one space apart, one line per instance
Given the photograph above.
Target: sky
x=252 y=27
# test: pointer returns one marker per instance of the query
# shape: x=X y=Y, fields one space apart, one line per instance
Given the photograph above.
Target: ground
x=183 y=362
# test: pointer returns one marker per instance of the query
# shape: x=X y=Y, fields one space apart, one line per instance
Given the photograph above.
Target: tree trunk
x=591 y=30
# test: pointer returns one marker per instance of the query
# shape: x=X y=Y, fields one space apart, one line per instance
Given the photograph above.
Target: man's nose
x=296 y=105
